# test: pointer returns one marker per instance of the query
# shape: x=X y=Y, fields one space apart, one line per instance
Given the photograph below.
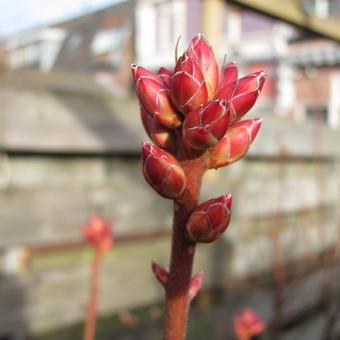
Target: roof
x=89 y=36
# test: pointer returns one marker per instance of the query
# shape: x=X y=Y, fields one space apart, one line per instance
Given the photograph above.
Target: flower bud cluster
x=197 y=107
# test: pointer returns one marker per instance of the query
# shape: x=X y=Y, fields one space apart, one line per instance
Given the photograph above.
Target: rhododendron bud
x=201 y=52
x=229 y=74
x=195 y=285
x=162 y=171
x=209 y=220
x=235 y=144
x=248 y=324
x=188 y=89
x=98 y=233
x=206 y=126
x=160 y=272
x=158 y=133
x=155 y=96
x=242 y=94
x=165 y=76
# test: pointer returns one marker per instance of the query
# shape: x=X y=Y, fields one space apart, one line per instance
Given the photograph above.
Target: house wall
x=313 y=85
x=316 y=89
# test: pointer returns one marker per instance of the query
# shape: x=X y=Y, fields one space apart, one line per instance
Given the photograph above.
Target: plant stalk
x=90 y=326
x=182 y=250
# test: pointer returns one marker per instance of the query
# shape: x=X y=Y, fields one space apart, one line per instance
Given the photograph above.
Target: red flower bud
x=162 y=171
x=188 y=89
x=209 y=220
x=235 y=144
x=206 y=126
x=165 y=75
x=229 y=74
x=158 y=133
x=160 y=272
x=201 y=52
x=98 y=233
x=242 y=94
x=155 y=96
x=248 y=324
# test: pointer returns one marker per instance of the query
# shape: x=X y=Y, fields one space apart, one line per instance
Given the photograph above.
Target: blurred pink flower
x=98 y=233
x=248 y=324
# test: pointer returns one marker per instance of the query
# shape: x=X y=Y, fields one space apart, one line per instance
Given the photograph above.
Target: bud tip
x=255 y=128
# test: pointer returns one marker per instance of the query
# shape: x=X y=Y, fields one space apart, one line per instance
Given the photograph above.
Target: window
x=32 y=54
x=166 y=33
x=322 y=8
x=317 y=113
x=158 y=26
x=109 y=40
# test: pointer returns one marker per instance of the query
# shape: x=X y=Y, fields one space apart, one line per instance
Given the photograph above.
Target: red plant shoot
x=193 y=116
x=248 y=324
x=99 y=236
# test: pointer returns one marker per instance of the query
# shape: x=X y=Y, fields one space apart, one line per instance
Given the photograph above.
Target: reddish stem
x=90 y=326
x=244 y=337
x=182 y=251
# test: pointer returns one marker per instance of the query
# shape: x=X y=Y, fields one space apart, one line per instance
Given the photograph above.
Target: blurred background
x=70 y=137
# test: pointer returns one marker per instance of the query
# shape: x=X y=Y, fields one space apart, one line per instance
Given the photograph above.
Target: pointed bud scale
x=158 y=133
x=235 y=144
x=201 y=52
x=155 y=97
x=206 y=126
x=165 y=75
x=195 y=285
x=209 y=220
x=160 y=272
x=188 y=89
x=162 y=171
x=242 y=94
x=229 y=74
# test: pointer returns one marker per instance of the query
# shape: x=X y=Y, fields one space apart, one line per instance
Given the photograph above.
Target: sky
x=20 y=15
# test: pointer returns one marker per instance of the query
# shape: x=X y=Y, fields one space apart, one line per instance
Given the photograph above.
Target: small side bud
x=163 y=172
x=209 y=220
x=158 y=133
x=161 y=273
x=201 y=52
x=188 y=89
x=155 y=97
x=206 y=126
x=195 y=285
x=235 y=144
x=242 y=94
x=229 y=74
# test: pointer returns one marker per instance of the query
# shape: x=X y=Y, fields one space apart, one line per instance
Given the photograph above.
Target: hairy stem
x=90 y=326
x=182 y=251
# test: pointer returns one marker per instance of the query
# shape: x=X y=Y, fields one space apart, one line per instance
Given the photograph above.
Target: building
x=105 y=43
x=256 y=42
x=98 y=43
